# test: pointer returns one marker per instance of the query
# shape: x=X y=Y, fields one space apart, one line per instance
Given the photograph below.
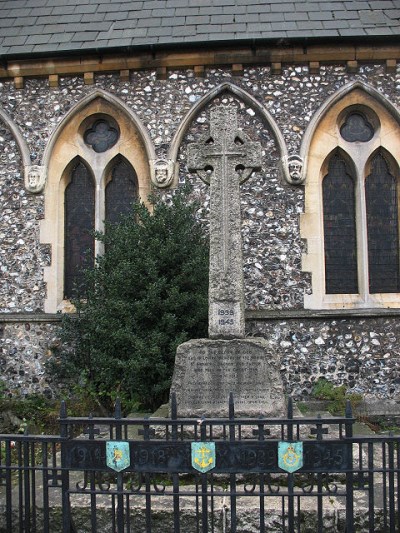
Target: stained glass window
x=79 y=224
x=121 y=191
x=339 y=229
x=101 y=136
x=382 y=227
x=357 y=128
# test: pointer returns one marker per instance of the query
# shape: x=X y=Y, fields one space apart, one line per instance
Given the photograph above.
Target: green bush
x=336 y=396
x=34 y=412
x=146 y=295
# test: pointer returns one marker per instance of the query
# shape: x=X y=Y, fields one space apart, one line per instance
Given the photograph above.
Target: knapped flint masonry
x=298 y=72
x=207 y=370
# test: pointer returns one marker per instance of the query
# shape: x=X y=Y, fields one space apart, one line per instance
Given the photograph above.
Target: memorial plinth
x=207 y=370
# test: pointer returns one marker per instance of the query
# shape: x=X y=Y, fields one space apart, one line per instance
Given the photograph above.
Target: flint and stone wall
x=360 y=351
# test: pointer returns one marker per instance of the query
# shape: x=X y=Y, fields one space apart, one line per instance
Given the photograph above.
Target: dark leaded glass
x=339 y=229
x=382 y=225
x=79 y=225
x=101 y=136
x=121 y=191
x=357 y=128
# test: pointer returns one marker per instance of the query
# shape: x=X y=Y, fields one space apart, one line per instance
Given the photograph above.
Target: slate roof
x=61 y=26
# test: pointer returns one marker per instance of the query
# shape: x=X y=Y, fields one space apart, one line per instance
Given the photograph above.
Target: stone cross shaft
x=225 y=158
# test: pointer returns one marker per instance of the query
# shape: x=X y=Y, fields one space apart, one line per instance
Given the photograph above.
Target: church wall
x=271 y=211
x=362 y=353
x=26 y=346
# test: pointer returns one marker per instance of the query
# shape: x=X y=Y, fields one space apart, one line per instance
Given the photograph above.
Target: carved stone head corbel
x=162 y=172
x=292 y=167
x=35 y=178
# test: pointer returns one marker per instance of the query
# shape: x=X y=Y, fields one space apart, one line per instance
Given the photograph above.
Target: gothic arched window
x=79 y=212
x=351 y=215
x=97 y=167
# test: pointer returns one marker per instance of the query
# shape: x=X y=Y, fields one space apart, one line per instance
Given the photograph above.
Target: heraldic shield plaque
x=203 y=456
x=117 y=454
x=290 y=456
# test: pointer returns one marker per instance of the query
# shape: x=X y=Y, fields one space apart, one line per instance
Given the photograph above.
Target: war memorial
x=284 y=116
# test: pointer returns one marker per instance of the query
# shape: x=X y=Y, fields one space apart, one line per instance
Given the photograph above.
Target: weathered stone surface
x=224 y=158
x=207 y=370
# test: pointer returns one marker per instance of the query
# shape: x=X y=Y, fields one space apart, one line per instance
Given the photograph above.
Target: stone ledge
x=13 y=318
x=250 y=315
x=292 y=314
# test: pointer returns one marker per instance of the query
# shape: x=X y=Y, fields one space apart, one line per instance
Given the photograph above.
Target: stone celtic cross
x=224 y=158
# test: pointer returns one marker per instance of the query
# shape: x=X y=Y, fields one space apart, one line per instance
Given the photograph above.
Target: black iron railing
x=143 y=475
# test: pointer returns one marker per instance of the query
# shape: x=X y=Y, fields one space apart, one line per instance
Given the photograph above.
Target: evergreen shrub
x=146 y=295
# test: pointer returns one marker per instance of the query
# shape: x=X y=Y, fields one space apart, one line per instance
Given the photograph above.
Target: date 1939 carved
x=225 y=317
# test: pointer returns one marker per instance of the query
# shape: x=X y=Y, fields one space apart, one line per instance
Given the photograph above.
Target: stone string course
x=360 y=353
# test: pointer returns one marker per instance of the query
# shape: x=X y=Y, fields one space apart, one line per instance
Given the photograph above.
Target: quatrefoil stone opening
x=101 y=136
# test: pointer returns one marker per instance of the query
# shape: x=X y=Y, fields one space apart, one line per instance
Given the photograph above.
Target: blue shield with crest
x=203 y=456
x=117 y=454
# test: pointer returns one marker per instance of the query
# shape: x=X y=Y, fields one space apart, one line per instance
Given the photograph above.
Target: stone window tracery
x=351 y=218
x=91 y=178
x=357 y=128
x=80 y=221
x=101 y=136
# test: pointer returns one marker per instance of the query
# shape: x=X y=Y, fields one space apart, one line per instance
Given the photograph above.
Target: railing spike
x=117 y=408
x=174 y=407
x=231 y=406
x=349 y=409
x=63 y=409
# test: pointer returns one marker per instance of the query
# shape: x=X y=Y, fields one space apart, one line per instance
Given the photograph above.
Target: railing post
x=204 y=496
x=120 y=482
x=66 y=509
x=232 y=476
x=392 y=513
x=175 y=477
x=290 y=476
x=27 y=482
x=349 y=475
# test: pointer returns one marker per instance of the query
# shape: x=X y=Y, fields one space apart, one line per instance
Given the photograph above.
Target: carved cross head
x=225 y=149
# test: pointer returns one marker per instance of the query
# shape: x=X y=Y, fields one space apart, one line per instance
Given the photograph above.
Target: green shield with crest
x=203 y=456
x=290 y=456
